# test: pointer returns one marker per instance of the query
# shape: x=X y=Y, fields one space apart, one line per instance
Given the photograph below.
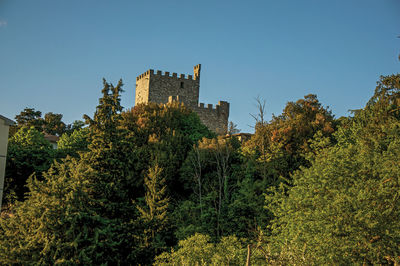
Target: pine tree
x=110 y=158
x=154 y=213
x=108 y=154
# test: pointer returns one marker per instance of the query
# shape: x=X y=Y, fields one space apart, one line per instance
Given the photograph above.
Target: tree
x=57 y=224
x=261 y=135
x=74 y=143
x=28 y=153
x=162 y=134
x=154 y=213
x=232 y=128
x=282 y=145
x=212 y=176
x=111 y=159
x=197 y=158
x=195 y=250
x=53 y=124
x=81 y=211
x=260 y=116
x=107 y=154
x=77 y=124
x=344 y=208
x=28 y=117
x=199 y=250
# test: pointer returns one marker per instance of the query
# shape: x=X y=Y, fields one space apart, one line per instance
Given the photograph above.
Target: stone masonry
x=161 y=87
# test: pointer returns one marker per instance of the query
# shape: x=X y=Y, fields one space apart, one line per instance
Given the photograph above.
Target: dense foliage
x=152 y=185
x=28 y=152
x=57 y=224
x=50 y=124
x=344 y=209
x=280 y=146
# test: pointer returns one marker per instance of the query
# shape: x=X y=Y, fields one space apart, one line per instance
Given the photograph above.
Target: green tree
x=110 y=157
x=229 y=251
x=195 y=250
x=344 y=208
x=165 y=133
x=199 y=250
x=28 y=153
x=53 y=124
x=214 y=174
x=160 y=135
x=74 y=143
x=77 y=124
x=154 y=213
x=106 y=149
x=57 y=223
x=28 y=117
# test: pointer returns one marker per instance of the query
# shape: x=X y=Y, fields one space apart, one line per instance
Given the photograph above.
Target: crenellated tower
x=159 y=87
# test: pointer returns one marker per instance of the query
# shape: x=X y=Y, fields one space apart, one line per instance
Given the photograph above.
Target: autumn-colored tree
x=281 y=145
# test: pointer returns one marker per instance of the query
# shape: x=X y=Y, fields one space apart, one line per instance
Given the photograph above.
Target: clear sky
x=54 y=54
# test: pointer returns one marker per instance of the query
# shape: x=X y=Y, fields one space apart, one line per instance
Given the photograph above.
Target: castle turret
x=196 y=71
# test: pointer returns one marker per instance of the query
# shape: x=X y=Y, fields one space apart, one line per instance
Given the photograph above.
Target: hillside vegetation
x=152 y=185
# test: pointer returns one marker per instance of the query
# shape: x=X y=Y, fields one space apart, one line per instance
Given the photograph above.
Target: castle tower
x=161 y=87
x=157 y=87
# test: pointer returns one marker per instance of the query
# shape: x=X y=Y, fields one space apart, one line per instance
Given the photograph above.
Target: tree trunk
x=248 y=255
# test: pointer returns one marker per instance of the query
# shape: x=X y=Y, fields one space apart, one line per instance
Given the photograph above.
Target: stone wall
x=216 y=119
x=142 y=88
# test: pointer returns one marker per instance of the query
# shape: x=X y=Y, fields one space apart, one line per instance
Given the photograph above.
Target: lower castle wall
x=215 y=119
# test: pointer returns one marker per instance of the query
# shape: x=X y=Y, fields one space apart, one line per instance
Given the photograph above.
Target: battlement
x=222 y=106
x=166 y=74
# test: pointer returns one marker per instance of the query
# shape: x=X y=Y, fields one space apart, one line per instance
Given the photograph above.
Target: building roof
x=243 y=134
x=7 y=121
x=242 y=137
x=51 y=138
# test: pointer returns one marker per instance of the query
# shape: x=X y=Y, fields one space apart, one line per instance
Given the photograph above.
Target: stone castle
x=164 y=88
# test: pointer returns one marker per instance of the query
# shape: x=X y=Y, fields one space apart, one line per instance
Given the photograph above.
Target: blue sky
x=54 y=54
